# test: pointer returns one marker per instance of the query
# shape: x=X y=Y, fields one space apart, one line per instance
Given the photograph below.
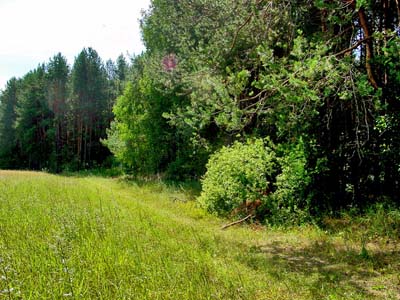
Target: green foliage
x=8 y=104
x=288 y=204
x=283 y=70
x=277 y=175
x=125 y=137
x=35 y=133
x=140 y=137
x=236 y=174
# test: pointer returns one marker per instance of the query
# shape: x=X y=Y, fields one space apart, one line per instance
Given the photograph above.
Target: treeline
x=55 y=117
x=316 y=82
x=319 y=79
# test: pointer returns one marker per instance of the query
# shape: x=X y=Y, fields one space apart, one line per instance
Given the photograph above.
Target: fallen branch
x=237 y=222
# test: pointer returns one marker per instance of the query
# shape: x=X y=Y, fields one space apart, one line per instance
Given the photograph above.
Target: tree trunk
x=369 y=54
x=398 y=11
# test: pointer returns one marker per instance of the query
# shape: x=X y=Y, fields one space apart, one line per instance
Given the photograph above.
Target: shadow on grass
x=327 y=269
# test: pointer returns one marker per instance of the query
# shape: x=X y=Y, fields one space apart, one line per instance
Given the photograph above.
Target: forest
x=55 y=117
x=291 y=104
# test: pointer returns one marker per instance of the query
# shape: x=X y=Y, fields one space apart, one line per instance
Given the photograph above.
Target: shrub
x=289 y=203
x=236 y=174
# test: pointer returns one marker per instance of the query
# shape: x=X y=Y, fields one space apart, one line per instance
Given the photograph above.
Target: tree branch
x=237 y=222
x=240 y=28
x=353 y=47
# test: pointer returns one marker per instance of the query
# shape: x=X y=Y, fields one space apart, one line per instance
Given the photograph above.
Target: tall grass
x=97 y=238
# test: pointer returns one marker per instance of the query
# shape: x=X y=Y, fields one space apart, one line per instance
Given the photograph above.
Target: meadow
x=66 y=237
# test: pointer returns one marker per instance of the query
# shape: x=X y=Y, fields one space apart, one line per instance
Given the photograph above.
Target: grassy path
x=96 y=238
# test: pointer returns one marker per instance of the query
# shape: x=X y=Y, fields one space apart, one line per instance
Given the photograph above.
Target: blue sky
x=31 y=32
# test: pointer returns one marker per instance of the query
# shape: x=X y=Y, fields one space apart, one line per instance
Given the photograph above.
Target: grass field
x=97 y=238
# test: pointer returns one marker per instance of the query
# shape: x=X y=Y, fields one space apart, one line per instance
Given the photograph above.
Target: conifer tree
x=57 y=94
x=8 y=102
x=89 y=107
x=34 y=124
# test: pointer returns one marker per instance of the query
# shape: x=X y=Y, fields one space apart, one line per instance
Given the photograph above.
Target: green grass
x=98 y=238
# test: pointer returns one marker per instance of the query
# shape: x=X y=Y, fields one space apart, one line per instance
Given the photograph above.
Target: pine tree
x=8 y=102
x=89 y=107
x=57 y=95
x=34 y=124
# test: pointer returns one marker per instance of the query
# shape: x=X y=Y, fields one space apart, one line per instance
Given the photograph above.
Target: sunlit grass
x=98 y=238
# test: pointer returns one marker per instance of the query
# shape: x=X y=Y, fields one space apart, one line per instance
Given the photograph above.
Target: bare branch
x=238 y=30
x=353 y=47
x=237 y=222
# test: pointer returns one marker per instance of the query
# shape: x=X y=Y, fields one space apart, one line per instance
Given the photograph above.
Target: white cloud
x=36 y=30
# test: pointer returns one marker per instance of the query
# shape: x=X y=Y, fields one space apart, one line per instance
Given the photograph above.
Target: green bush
x=239 y=173
x=289 y=203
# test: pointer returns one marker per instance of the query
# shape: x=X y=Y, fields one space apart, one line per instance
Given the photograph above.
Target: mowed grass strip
x=97 y=238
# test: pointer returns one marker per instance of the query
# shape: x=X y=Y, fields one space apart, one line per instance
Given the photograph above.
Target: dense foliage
x=319 y=79
x=236 y=174
x=54 y=118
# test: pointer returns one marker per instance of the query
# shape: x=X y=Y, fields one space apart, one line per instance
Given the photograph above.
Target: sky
x=33 y=31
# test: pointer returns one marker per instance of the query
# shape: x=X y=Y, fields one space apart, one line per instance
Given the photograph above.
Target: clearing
x=97 y=238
